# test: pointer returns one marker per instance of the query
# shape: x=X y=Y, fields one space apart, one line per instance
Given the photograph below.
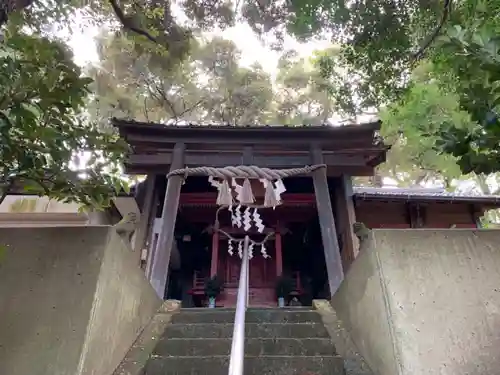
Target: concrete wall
x=30 y=203
x=426 y=302
x=72 y=300
x=124 y=303
x=31 y=211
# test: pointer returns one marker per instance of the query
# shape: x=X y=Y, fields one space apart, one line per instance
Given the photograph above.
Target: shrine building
x=305 y=235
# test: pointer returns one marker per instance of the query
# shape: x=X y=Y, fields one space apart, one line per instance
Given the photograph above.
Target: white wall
x=43 y=204
x=42 y=211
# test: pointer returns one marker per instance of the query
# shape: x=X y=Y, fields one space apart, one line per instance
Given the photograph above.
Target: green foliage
x=475 y=76
x=381 y=43
x=412 y=125
x=443 y=113
x=209 y=86
x=43 y=126
x=301 y=96
x=213 y=287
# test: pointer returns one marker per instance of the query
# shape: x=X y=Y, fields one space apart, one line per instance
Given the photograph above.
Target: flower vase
x=211 y=302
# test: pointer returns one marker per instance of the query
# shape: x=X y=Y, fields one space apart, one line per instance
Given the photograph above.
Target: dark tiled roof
x=375 y=125
x=422 y=194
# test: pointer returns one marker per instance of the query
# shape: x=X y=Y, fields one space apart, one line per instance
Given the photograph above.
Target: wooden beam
x=476 y=212
x=346 y=217
x=169 y=215
x=353 y=140
x=417 y=215
x=214 y=261
x=279 y=254
x=164 y=160
x=327 y=224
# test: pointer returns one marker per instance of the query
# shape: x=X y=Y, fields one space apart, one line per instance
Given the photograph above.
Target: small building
x=420 y=208
x=308 y=237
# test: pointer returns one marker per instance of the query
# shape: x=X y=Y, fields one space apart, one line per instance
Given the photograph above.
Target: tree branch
x=127 y=22
x=444 y=17
x=146 y=112
x=163 y=98
x=189 y=109
x=260 y=6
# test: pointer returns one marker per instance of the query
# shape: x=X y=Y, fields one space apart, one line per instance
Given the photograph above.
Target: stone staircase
x=290 y=341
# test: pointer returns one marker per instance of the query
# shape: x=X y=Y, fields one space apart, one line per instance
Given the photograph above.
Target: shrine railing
x=237 y=358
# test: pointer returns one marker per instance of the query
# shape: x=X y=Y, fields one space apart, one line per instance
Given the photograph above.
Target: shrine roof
x=351 y=148
x=135 y=133
x=154 y=127
x=423 y=195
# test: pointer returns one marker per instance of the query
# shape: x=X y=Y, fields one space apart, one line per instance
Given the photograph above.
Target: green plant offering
x=213 y=287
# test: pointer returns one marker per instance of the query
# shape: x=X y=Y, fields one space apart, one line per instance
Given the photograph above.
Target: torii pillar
x=327 y=223
x=163 y=249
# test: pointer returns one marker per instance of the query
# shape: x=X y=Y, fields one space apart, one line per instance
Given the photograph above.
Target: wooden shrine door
x=262 y=278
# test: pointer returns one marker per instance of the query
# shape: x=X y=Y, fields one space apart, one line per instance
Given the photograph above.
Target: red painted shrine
x=311 y=240
x=263 y=271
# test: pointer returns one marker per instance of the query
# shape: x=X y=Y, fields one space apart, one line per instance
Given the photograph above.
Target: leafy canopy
x=381 y=44
x=378 y=45
x=43 y=126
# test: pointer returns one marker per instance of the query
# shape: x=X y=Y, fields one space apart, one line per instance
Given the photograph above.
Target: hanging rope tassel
x=246 y=196
x=270 y=199
x=225 y=197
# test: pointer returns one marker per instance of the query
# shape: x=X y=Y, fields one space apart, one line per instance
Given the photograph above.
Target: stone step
x=286 y=308
x=252 y=316
x=253 y=330
x=169 y=347
x=262 y=365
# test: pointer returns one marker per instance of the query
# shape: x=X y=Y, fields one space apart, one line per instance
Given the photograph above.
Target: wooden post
x=215 y=254
x=150 y=234
x=346 y=216
x=142 y=231
x=327 y=224
x=415 y=213
x=153 y=247
x=169 y=216
x=279 y=254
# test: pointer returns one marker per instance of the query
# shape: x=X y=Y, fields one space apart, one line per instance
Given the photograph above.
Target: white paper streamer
x=258 y=221
x=250 y=250
x=280 y=188
x=240 y=249
x=264 y=252
x=237 y=216
x=234 y=220
x=247 y=219
x=213 y=182
x=230 y=248
x=237 y=188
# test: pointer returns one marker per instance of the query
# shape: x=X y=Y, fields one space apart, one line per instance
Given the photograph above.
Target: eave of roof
x=423 y=195
x=130 y=125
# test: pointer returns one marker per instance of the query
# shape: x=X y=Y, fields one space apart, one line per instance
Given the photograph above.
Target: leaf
x=44 y=98
x=31 y=108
